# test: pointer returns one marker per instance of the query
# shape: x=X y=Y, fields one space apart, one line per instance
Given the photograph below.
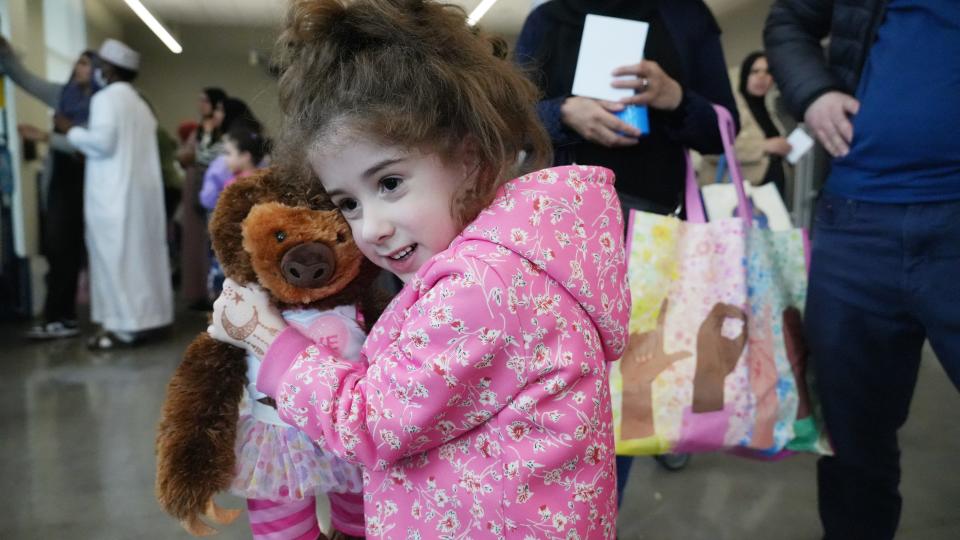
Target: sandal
x=53 y=330
x=106 y=341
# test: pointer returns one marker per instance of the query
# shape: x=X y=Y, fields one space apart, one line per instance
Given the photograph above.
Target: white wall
x=743 y=30
x=23 y=26
x=212 y=56
x=64 y=36
x=102 y=22
x=24 y=21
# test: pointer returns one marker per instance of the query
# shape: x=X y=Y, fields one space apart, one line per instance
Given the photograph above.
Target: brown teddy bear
x=287 y=236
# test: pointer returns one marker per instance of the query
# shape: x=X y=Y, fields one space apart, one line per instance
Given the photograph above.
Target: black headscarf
x=757 y=104
x=75 y=99
x=758 y=108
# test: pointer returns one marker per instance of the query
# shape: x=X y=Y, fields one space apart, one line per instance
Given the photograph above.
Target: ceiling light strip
x=479 y=11
x=154 y=25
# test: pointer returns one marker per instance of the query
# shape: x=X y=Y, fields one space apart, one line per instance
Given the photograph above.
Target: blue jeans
x=883 y=279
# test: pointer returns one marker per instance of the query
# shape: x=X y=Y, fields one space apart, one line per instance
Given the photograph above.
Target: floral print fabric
x=485 y=409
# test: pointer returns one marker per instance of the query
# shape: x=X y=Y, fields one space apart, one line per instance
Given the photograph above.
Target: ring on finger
x=644 y=84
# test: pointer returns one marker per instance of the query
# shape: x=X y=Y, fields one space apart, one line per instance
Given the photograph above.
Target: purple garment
x=213 y=182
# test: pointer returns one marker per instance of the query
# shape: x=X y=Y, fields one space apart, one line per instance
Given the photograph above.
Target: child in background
x=244 y=148
x=481 y=408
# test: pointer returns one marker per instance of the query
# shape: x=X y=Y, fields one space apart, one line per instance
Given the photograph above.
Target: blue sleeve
x=549 y=112
x=525 y=51
x=694 y=123
x=213 y=179
x=525 y=56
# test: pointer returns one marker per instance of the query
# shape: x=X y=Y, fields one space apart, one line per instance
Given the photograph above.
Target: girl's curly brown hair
x=412 y=74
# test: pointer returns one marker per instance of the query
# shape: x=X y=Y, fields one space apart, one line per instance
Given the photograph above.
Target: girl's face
x=83 y=71
x=237 y=161
x=759 y=81
x=396 y=200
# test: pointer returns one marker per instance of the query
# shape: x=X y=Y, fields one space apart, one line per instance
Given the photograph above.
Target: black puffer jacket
x=792 y=39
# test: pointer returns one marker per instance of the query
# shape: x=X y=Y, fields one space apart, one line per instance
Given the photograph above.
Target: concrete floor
x=76 y=457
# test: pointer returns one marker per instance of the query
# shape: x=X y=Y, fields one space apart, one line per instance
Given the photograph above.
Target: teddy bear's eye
x=280 y=236
x=341 y=238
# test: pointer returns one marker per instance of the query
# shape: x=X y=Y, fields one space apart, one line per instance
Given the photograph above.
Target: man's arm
x=10 y=65
x=812 y=93
x=792 y=37
x=99 y=140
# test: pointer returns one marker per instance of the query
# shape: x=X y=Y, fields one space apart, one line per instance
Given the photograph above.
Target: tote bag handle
x=694 y=204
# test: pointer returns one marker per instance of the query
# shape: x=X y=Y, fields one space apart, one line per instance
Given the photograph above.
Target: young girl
x=483 y=408
x=245 y=128
x=244 y=149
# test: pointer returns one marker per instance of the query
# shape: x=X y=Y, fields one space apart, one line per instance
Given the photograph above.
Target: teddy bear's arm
x=197 y=431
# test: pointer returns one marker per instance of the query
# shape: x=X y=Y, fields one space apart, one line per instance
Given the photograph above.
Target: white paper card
x=801 y=143
x=607 y=43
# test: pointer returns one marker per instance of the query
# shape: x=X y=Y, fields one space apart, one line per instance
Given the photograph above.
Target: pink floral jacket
x=484 y=410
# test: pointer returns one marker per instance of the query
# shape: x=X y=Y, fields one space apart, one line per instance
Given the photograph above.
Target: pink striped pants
x=346 y=513
x=290 y=520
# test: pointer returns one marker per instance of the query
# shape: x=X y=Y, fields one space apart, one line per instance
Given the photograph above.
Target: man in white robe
x=125 y=228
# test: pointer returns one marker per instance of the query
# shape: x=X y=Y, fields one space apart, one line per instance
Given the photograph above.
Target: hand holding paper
x=652 y=85
x=800 y=144
x=597 y=121
x=607 y=44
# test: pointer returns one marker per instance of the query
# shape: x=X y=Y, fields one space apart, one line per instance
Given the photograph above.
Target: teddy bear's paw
x=195 y=527
x=216 y=514
x=221 y=516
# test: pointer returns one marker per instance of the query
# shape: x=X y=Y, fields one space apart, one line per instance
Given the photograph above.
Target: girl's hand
x=652 y=85
x=246 y=318
x=777 y=146
x=593 y=119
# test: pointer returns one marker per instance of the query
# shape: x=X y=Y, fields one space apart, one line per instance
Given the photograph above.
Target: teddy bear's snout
x=308 y=266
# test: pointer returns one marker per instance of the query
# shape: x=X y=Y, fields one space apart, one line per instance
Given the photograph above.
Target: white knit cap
x=120 y=55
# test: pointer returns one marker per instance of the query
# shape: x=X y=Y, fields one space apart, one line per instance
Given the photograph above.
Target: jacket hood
x=567 y=222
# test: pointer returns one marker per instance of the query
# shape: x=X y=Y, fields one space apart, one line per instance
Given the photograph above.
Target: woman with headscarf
x=682 y=74
x=63 y=244
x=761 y=145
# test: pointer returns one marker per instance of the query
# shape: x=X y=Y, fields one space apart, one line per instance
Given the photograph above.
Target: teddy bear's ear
x=226 y=224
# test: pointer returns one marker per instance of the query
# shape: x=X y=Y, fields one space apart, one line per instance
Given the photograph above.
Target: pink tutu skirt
x=281 y=463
